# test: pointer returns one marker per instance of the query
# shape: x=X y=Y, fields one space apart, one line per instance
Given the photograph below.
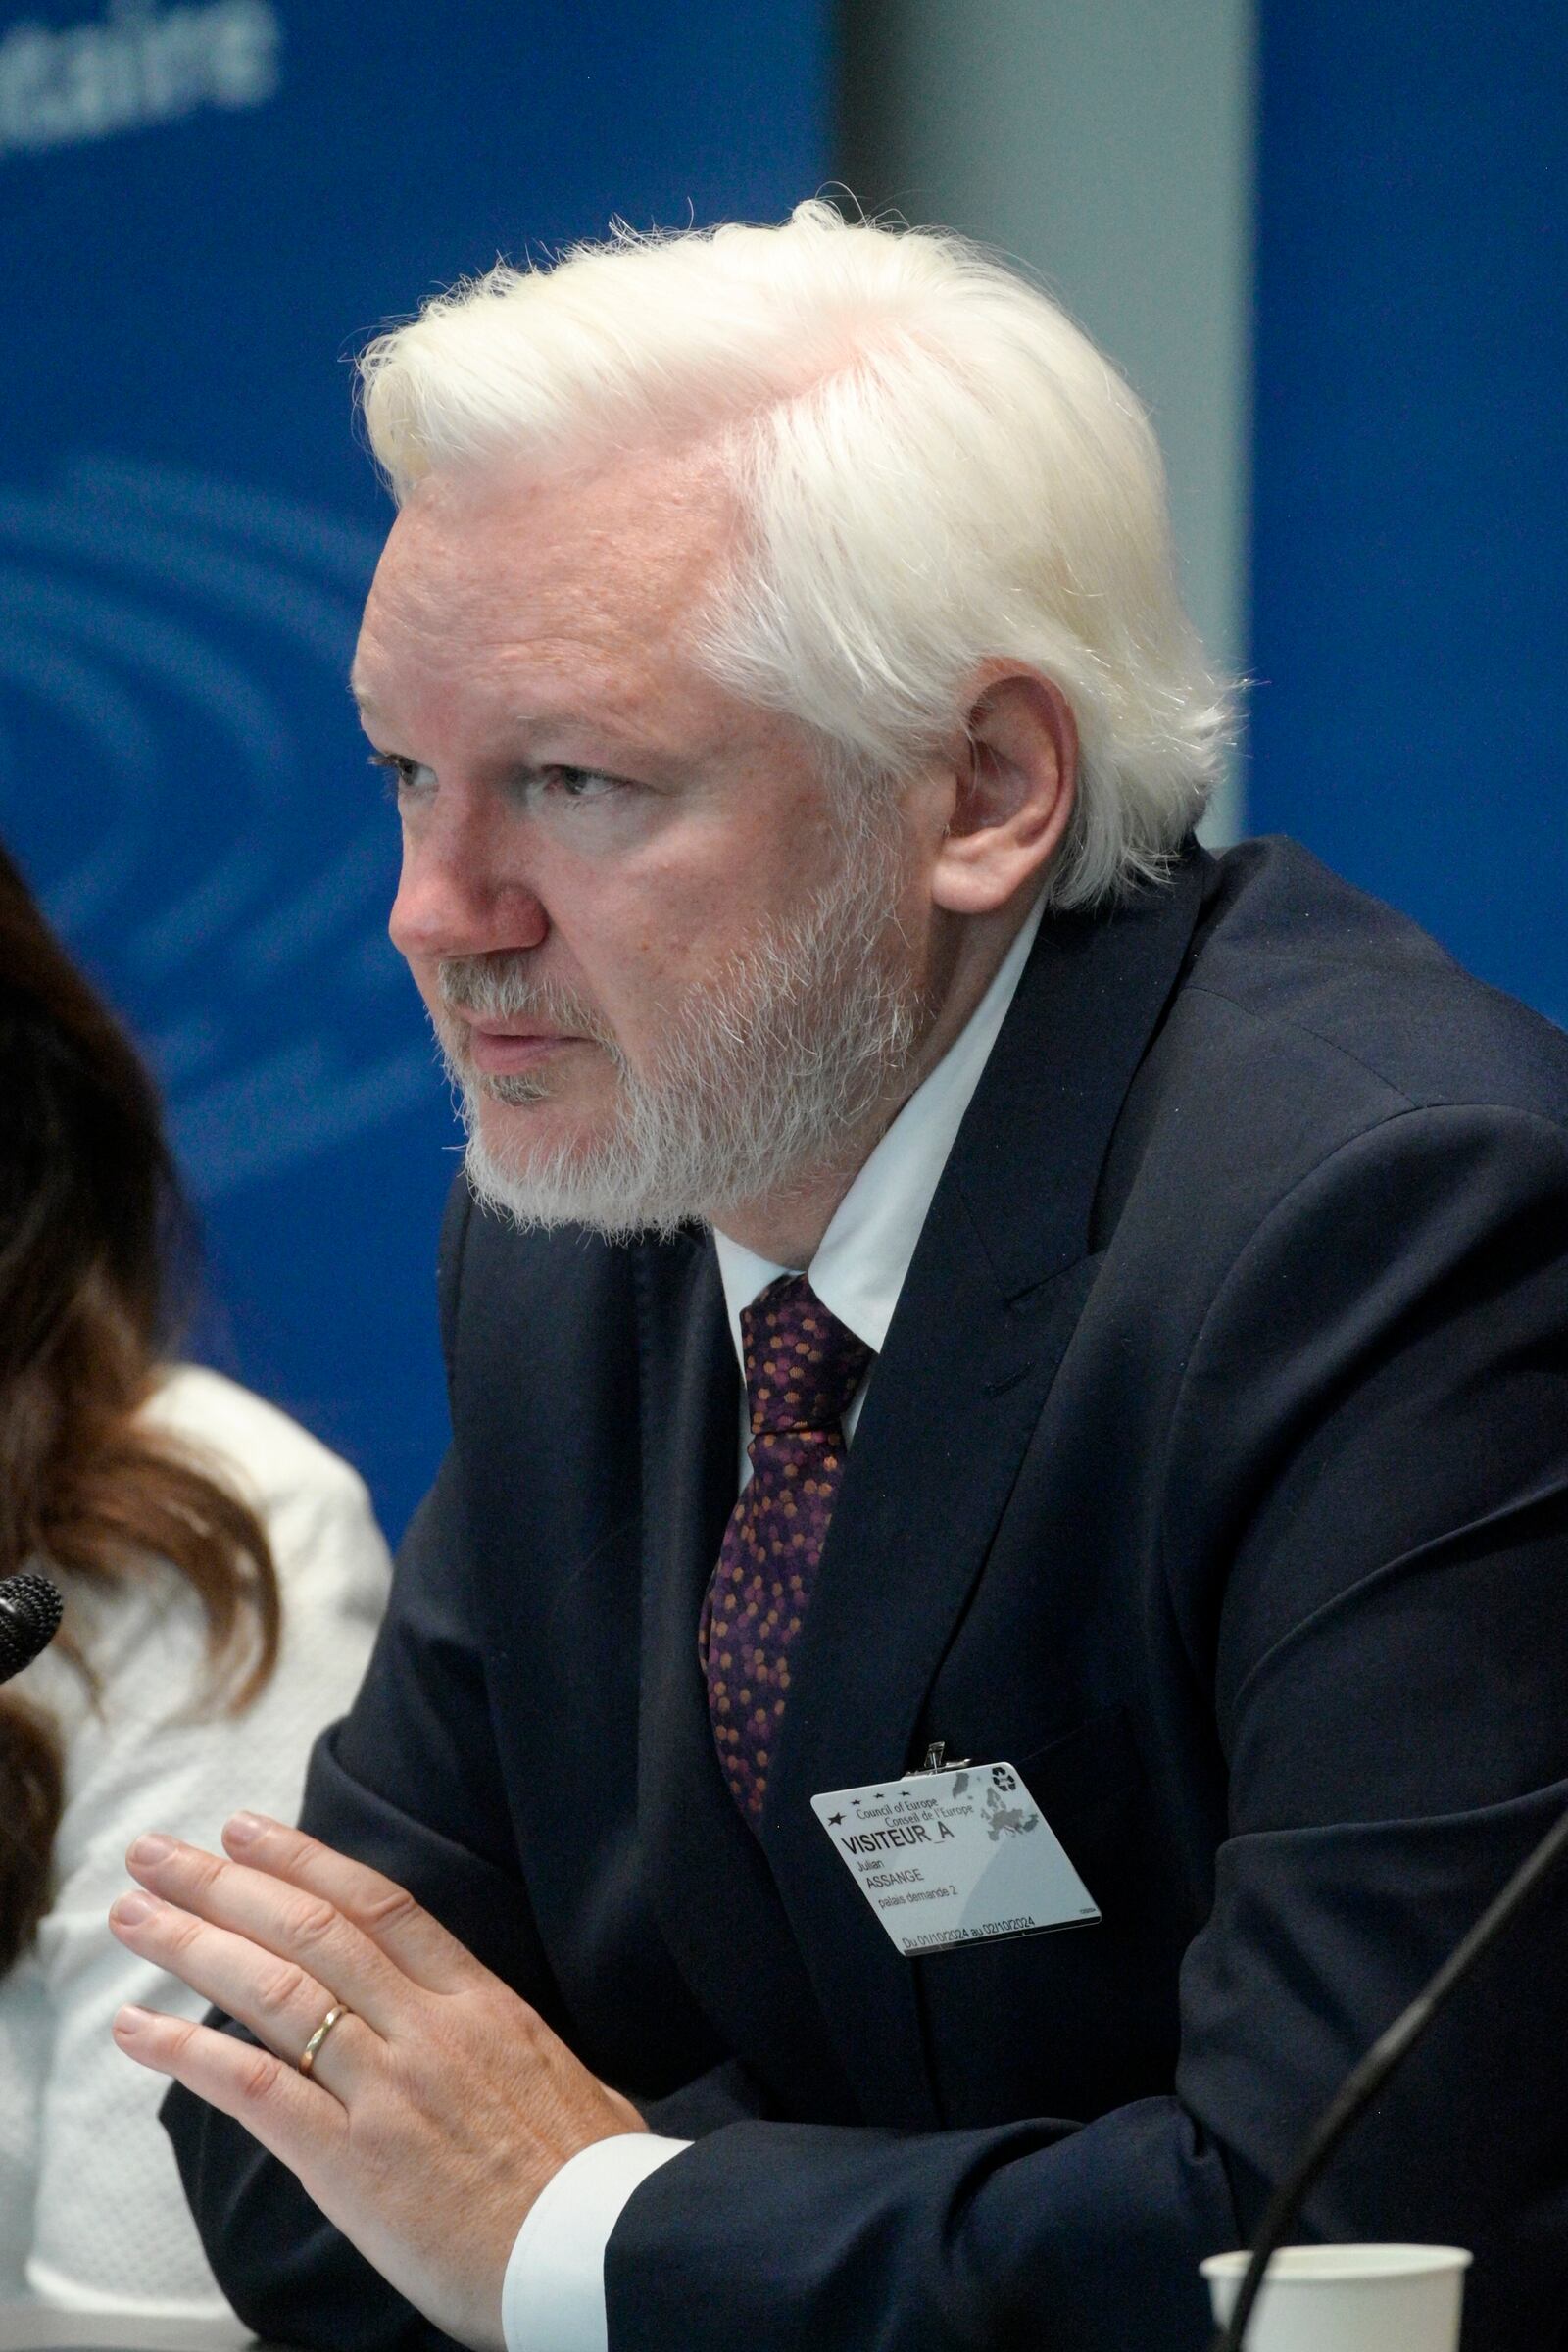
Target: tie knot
x=802 y=1365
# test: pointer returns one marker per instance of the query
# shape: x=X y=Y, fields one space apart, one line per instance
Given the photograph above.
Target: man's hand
x=438 y=2107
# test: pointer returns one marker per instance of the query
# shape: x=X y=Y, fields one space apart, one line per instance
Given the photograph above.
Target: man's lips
x=498 y=1051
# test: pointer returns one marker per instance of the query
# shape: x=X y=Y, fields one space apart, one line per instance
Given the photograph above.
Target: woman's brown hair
x=91 y=1231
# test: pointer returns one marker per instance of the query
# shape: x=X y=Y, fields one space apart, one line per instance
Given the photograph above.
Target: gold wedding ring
x=312 y=2050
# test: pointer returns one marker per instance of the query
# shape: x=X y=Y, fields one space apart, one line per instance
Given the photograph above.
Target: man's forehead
x=633 y=545
x=641 y=514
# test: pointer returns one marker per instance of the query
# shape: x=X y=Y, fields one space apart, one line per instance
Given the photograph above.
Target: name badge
x=962 y=1856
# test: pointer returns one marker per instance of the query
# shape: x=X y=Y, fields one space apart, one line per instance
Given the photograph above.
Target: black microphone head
x=30 y=1610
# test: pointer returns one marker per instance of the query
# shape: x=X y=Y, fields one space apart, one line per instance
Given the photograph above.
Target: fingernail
x=129 y=2021
x=241 y=1829
x=152 y=1846
x=131 y=1909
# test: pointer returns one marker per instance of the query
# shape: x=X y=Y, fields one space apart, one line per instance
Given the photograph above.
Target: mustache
x=504 y=988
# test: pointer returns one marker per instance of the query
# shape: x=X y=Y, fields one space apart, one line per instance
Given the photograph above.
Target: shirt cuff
x=552 y=2295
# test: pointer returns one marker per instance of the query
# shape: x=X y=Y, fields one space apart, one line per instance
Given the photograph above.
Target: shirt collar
x=864 y=1256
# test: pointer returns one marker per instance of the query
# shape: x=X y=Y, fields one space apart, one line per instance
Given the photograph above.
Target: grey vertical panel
x=1107 y=144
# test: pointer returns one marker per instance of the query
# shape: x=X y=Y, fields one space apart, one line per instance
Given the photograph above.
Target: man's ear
x=1014 y=782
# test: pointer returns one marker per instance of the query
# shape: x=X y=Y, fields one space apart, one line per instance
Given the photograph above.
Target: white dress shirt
x=553 y=2299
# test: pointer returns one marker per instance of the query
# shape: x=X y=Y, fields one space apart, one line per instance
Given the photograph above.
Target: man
x=986 y=1285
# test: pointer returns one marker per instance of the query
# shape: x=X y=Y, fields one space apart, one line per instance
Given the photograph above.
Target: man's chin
x=534 y=1125
x=540 y=1183
x=516 y=1143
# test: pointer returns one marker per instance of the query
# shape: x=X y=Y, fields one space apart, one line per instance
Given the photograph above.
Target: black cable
x=1367 y=2077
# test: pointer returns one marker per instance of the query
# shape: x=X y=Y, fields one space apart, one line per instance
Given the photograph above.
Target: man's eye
x=577 y=783
x=556 y=783
x=402 y=775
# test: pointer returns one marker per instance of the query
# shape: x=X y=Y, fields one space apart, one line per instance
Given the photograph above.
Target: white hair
x=935 y=469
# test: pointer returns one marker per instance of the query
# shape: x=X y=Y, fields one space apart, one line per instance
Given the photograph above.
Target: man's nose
x=461 y=893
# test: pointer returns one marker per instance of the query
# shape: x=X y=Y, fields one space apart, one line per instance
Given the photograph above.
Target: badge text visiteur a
x=963 y=1856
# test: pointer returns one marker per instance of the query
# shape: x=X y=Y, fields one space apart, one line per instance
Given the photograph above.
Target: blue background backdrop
x=1409 y=634
x=187 y=528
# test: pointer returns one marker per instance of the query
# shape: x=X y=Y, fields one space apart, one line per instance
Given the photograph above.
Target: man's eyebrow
x=546 y=718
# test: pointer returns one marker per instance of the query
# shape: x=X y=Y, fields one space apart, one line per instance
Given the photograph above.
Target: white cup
x=1347 y=2298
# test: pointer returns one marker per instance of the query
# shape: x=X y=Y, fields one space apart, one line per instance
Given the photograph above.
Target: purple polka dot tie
x=802 y=1369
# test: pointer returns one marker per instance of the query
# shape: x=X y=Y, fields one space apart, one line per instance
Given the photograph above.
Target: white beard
x=762 y=1079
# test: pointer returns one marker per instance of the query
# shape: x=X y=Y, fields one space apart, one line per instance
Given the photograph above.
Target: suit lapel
x=993 y=1296
x=708 y=1879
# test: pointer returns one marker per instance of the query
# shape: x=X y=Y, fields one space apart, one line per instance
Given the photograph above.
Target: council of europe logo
x=182 y=776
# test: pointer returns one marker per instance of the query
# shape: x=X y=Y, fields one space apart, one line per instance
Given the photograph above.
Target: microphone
x=30 y=1610
x=1368 y=2076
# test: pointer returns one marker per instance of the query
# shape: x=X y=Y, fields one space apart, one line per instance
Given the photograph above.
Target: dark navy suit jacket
x=1215 y=1473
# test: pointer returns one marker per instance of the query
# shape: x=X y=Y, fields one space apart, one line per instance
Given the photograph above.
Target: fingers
x=275 y=2103
x=280 y=2002
x=464 y=2103
x=269 y=1921
x=382 y=1910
